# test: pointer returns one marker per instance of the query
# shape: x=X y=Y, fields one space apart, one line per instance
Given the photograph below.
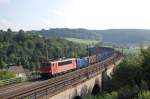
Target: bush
x=128 y=92
x=144 y=95
x=112 y=95
x=6 y=75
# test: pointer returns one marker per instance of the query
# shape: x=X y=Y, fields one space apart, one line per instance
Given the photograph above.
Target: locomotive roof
x=61 y=60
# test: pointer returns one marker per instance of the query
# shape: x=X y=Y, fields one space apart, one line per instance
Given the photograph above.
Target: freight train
x=52 y=68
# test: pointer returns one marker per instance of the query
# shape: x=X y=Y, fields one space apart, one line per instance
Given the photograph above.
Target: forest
x=29 y=50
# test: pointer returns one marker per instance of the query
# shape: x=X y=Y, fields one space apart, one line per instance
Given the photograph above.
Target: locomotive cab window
x=64 y=63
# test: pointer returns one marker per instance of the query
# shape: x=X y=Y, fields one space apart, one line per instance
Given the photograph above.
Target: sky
x=89 y=14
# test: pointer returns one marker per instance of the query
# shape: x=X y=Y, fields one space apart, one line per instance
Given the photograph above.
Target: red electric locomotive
x=51 y=68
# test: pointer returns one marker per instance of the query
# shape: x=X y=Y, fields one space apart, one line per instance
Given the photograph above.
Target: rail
x=58 y=84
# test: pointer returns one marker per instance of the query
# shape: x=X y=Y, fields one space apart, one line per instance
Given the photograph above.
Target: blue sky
x=90 y=14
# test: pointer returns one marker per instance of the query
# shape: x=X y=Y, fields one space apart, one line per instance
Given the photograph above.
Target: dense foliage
x=29 y=50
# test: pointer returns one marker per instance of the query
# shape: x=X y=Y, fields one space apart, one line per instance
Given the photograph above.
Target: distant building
x=17 y=70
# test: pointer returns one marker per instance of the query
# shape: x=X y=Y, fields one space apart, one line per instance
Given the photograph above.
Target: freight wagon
x=82 y=62
x=98 y=50
x=92 y=59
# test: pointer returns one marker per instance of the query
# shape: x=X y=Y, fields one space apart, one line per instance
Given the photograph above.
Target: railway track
x=10 y=87
x=55 y=85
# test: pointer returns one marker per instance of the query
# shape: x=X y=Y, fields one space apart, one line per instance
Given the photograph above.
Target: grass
x=82 y=41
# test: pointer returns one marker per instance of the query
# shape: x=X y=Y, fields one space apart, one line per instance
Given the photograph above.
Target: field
x=82 y=41
x=129 y=51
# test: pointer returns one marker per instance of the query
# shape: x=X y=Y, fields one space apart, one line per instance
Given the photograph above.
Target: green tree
x=2 y=64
